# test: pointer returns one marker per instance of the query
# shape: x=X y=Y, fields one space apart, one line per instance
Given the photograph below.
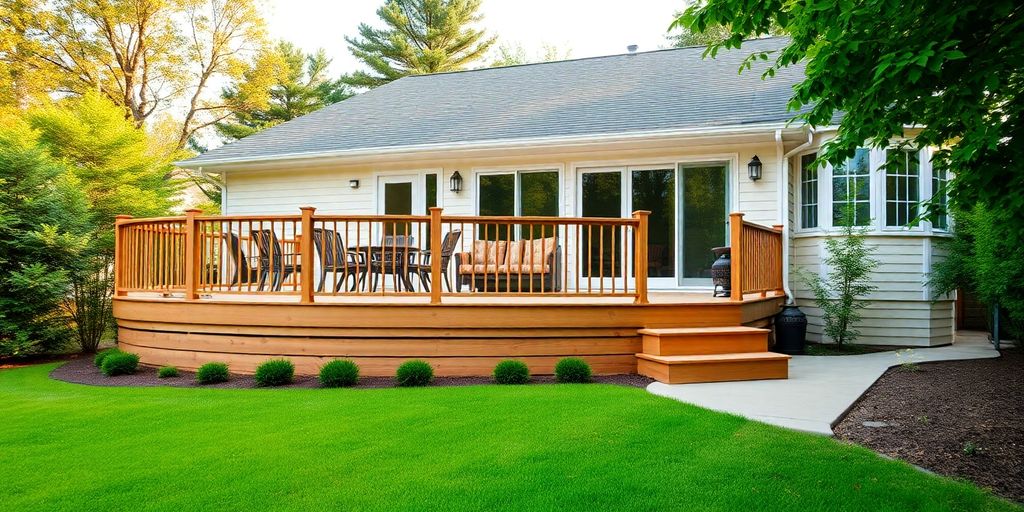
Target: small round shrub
x=339 y=373
x=212 y=373
x=166 y=372
x=121 y=363
x=511 y=371
x=100 y=356
x=414 y=373
x=572 y=369
x=275 y=372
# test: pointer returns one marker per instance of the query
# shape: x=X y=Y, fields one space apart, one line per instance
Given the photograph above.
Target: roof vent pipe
x=632 y=48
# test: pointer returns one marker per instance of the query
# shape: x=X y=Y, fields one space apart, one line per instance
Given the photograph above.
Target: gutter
x=784 y=202
x=497 y=144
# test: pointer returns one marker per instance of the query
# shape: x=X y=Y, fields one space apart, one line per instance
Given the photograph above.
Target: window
x=808 y=191
x=940 y=197
x=851 y=190
x=518 y=193
x=902 y=187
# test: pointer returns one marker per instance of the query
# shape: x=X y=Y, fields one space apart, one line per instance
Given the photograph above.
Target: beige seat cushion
x=479 y=269
x=525 y=269
x=515 y=252
x=489 y=252
x=537 y=251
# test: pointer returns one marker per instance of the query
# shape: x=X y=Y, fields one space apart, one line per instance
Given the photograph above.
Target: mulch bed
x=82 y=371
x=958 y=418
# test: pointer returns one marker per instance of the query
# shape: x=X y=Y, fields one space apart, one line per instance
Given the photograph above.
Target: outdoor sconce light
x=754 y=168
x=353 y=184
x=456 y=182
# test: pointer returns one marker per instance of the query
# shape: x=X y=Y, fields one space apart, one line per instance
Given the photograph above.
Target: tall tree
x=515 y=54
x=953 y=68
x=24 y=77
x=420 y=36
x=285 y=83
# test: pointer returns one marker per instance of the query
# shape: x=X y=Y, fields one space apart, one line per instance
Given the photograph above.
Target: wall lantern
x=353 y=183
x=456 y=182
x=754 y=168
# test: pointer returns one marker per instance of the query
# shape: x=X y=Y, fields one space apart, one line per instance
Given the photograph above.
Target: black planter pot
x=721 y=272
x=790 y=330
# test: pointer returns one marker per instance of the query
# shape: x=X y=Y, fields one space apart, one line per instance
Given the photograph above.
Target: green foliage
x=414 y=373
x=339 y=373
x=421 y=36
x=119 y=363
x=572 y=370
x=43 y=233
x=980 y=259
x=954 y=70
x=275 y=372
x=516 y=54
x=212 y=373
x=100 y=356
x=681 y=36
x=841 y=294
x=167 y=372
x=285 y=83
x=511 y=371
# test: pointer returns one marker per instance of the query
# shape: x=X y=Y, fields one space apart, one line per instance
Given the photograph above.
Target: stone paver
x=819 y=389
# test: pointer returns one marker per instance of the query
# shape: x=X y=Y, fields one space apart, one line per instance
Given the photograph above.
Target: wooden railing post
x=435 y=255
x=119 y=258
x=736 y=255
x=780 y=269
x=192 y=256
x=306 y=256
x=640 y=256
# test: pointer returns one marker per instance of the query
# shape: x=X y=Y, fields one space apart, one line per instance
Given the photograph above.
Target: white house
x=666 y=131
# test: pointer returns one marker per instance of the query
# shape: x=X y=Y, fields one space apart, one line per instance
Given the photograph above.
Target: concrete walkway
x=820 y=388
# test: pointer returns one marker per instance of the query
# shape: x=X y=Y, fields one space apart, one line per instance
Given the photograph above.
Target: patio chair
x=274 y=263
x=395 y=256
x=334 y=257
x=422 y=269
x=244 y=273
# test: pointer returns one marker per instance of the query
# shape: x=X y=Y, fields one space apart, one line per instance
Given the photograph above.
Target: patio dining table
x=381 y=262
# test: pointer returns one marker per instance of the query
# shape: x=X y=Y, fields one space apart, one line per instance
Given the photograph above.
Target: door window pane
x=655 y=191
x=851 y=190
x=538 y=197
x=602 y=197
x=704 y=217
x=808 y=191
x=397 y=201
x=902 y=187
x=496 y=197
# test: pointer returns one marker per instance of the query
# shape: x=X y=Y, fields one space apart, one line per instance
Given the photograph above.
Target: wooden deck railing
x=756 y=256
x=434 y=255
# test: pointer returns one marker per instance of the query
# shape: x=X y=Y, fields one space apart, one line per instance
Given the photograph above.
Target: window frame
x=517 y=171
x=923 y=190
x=798 y=213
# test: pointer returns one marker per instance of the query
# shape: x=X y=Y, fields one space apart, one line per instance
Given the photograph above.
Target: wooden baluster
x=435 y=254
x=306 y=254
x=640 y=258
x=191 y=254
x=119 y=253
x=736 y=254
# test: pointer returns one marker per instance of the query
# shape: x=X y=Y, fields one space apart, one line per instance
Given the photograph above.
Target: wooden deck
x=241 y=290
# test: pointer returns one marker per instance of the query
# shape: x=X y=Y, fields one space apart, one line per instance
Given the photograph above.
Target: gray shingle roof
x=659 y=90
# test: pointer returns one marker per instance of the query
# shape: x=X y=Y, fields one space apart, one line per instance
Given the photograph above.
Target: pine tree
x=422 y=36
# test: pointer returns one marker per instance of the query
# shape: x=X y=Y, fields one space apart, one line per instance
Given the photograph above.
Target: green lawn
x=551 y=447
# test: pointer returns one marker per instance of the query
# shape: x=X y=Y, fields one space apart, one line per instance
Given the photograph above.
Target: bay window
x=902 y=187
x=808 y=191
x=851 y=190
x=940 y=197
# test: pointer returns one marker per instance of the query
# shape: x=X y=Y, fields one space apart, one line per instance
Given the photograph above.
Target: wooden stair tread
x=714 y=358
x=702 y=331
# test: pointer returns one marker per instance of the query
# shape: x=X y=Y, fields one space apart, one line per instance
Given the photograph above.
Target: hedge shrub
x=100 y=356
x=572 y=370
x=121 y=363
x=511 y=371
x=414 y=373
x=167 y=372
x=212 y=373
x=275 y=372
x=339 y=373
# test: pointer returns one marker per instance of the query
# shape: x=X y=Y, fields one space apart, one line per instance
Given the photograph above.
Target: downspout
x=783 y=159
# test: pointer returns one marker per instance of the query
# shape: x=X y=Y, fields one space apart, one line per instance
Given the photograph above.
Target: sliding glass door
x=688 y=205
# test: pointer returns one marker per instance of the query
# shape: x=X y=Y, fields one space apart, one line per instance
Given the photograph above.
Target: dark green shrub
x=572 y=369
x=212 y=373
x=339 y=373
x=120 y=363
x=414 y=373
x=511 y=371
x=100 y=356
x=166 y=372
x=275 y=372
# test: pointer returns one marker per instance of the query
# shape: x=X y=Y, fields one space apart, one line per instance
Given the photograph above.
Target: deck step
x=685 y=369
x=685 y=341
